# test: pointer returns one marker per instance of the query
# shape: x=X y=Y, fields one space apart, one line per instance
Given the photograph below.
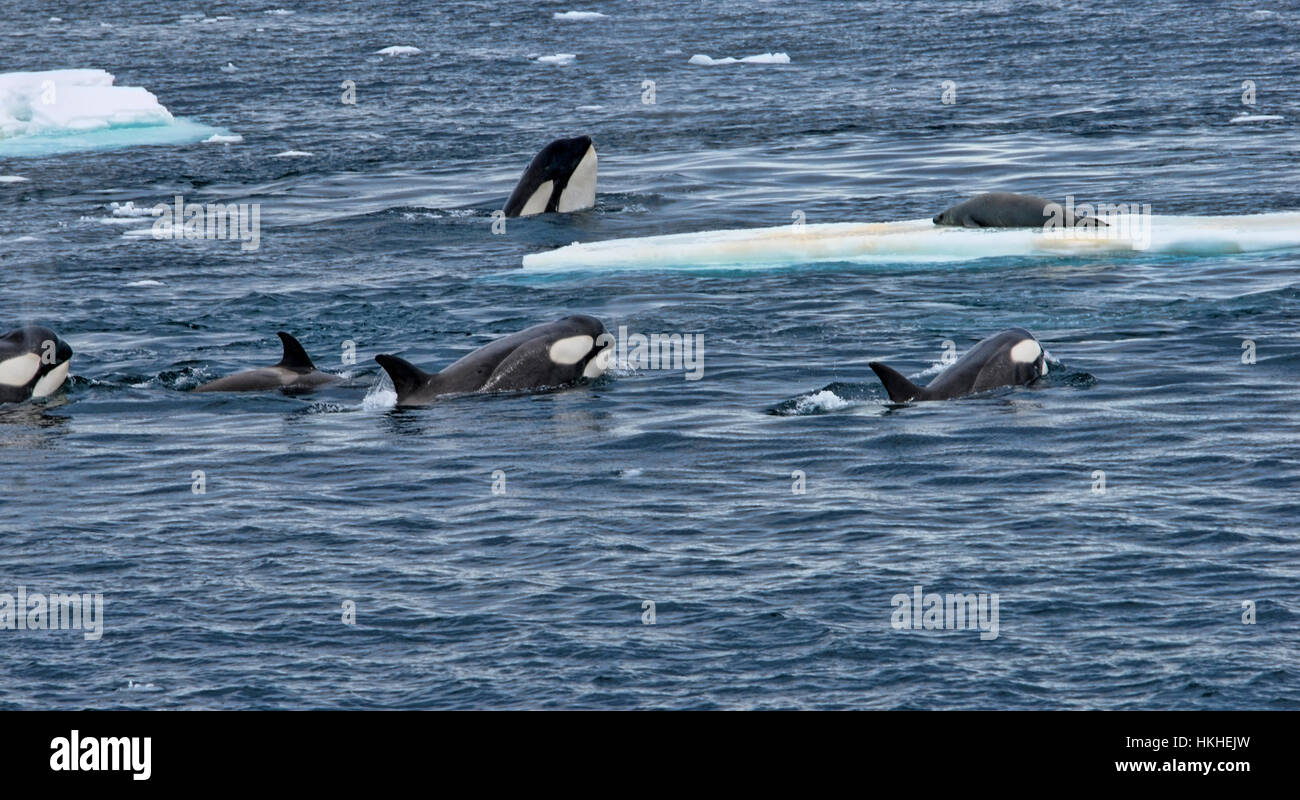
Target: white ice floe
x=13 y=179
x=70 y=110
x=62 y=100
x=134 y=284
x=230 y=67
x=921 y=241
x=579 y=15
x=399 y=50
x=130 y=209
x=293 y=154
x=223 y=138
x=1256 y=118
x=761 y=58
x=558 y=58
x=278 y=12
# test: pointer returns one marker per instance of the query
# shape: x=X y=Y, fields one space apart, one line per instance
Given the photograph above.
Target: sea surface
x=1132 y=512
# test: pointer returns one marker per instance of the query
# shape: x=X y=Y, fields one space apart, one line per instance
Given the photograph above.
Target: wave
x=67 y=110
x=921 y=241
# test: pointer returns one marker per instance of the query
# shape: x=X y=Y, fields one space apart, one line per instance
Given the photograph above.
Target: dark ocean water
x=646 y=486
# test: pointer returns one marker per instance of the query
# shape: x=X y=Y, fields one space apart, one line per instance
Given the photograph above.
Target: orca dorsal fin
x=295 y=358
x=900 y=389
x=406 y=376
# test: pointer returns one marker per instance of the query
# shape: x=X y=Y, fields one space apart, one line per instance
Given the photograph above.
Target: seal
x=1008 y=210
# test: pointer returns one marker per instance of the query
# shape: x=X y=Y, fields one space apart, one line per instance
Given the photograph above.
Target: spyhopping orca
x=560 y=178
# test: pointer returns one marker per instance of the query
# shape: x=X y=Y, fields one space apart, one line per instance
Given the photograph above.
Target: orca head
x=562 y=177
x=34 y=362
x=1012 y=357
x=587 y=347
x=1028 y=360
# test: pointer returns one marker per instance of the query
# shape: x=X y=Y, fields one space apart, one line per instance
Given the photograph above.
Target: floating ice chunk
x=1256 y=118
x=921 y=241
x=130 y=209
x=278 y=12
x=399 y=50
x=230 y=67
x=222 y=138
x=576 y=15
x=57 y=101
x=558 y=58
x=761 y=58
x=12 y=179
x=133 y=284
x=293 y=154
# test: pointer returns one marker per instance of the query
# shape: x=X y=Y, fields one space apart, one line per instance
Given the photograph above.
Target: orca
x=1010 y=358
x=295 y=374
x=34 y=362
x=1008 y=210
x=552 y=354
x=562 y=177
